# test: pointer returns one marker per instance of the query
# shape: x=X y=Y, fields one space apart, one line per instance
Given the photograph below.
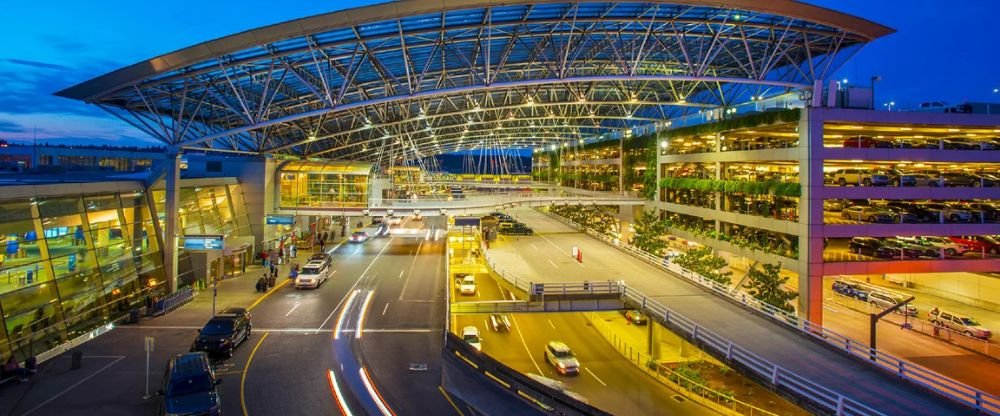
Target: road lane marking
x=243 y=378
x=595 y=377
x=393 y=330
x=553 y=264
x=293 y=309
x=258 y=330
x=385 y=308
x=448 y=398
x=521 y=336
x=830 y=309
x=75 y=385
x=551 y=324
x=269 y=292
x=401 y=274
x=533 y=246
x=354 y=285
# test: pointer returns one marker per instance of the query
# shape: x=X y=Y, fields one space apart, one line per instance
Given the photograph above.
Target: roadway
x=546 y=257
x=285 y=366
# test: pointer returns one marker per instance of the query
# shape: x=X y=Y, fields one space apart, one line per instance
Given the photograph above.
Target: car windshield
x=310 y=270
x=469 y=280
x=969 y=322
x=471 y=338
x=218 y=327
x=562 y=354
x=189 y=385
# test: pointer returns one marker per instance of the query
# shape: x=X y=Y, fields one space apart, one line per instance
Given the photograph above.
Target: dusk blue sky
x=942 y=51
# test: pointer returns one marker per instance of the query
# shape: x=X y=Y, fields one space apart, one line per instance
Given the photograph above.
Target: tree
x=703 y=261
x=767 y=286
x=648 y=230
x=649 y=187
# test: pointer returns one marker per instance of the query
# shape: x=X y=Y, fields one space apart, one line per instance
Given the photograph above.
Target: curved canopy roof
x=412 y=78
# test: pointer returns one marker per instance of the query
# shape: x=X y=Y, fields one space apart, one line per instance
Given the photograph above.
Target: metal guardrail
x=172 y=301
x=495 y=306
x=942 y=385
x=608 y=287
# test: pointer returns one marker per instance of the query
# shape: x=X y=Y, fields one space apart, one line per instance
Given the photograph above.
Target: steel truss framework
x=513 y=75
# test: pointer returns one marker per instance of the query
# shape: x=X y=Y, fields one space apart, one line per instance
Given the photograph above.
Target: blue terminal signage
x=203 y=242
x=279 y=219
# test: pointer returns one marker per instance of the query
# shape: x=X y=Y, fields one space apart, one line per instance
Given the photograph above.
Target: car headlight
x=561 y=365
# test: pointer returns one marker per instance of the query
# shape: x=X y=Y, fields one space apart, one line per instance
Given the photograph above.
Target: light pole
x=875 y=78
x=889 y=105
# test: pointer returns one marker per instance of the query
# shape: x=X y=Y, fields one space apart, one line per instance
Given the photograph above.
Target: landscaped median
x=691 y=372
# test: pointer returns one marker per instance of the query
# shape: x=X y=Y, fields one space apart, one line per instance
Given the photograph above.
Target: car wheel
x=993 y=250
x=953 y=218
x=977 y=184
x=872 y=146
x=866 y=182
x=950 y=251
x=930 y=253
x=845 y=215
x=932 y=184
x=871 y=219
x=968 y=334
x=894 y=182
x=842 y=182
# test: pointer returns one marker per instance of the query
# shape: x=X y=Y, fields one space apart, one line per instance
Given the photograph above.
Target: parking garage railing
x=944 y=386
x=491 y=199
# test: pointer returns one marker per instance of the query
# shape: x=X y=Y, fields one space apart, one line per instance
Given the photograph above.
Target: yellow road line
x=448 y=398
x=264 y=296
x=243 y=378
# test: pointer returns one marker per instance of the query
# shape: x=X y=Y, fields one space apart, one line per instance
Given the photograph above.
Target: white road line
x=533 y=246
x=293 y=309
x=401 y=274
x=551 y=324
x=553 y=244
x=353 y=286
x=830 y=309
x=258 y=330
x=385 y=308
x=392 y=331
x=553 y=264
x=596 y=377
x=66 y=390
x=532 y=357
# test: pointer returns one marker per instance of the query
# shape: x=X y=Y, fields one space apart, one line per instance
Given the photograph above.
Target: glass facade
x=71 y=263
x=218 y=209
x=329 y=184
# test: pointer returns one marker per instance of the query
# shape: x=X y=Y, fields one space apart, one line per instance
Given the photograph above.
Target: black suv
x=223 y=333
x=189 y=387
x=872 y=247
x=922 y=214
x=518 y=229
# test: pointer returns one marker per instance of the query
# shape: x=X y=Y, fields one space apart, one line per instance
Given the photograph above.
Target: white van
x=470 y=334
x=313 y=274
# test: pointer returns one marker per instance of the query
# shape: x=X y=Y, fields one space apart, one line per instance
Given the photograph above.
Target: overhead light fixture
x=529 y=101
x=582 y=99
x=581 y=141
x=477 y=108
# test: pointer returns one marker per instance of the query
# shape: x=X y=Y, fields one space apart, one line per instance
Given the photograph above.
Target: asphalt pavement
x=546 y=257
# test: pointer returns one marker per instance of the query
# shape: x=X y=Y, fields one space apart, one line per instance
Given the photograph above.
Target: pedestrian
x=11 y=368
x=322 y=245
x=293 y=251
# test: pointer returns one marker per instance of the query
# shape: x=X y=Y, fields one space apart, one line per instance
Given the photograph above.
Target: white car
x=467 y=285
x=950 y=247
x=561 y=357
x=393 y=220
x=470 y=335
x=959 y=323
x=312 y=274
x=359 y=237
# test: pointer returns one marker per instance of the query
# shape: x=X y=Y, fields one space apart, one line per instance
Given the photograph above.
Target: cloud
x=37 y=64
x=10 y=127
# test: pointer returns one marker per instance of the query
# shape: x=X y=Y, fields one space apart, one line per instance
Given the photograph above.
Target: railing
x=942 y=385
x=476 y=200
x=172 y=301
x=608 y=287
x=676 y=381
x=494 y=306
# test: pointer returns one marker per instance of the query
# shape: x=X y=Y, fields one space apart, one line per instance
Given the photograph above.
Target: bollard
x=77 y=360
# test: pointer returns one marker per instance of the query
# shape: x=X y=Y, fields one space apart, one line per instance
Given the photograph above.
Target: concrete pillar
x=172 y=184
x=655 y=333
x=810 y=227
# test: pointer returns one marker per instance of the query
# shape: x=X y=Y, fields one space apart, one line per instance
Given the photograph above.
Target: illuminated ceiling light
x=905 y=128
x=628 y=116
x=682 y=99
x=663 y=144
x=468 y=121
x=953 y=130
x=565 y=144
x=532 y=124
x=477 y=108
x=582 y=99
x=551 y=115
x=592 y=113
x=511 y=116
x=529 y=101
x=565 y=122
x=312 y=137
x=581 y=141
x=422 y=113
x=634 y=98
x=368 y=124
x=553 y=147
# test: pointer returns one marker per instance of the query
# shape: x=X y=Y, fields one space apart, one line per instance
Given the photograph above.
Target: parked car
x=189 y=386
x=950 y=247
x=990 y=212
x=978 y=243
x=850 y=289
x=636 y=317
x=833 y=205
x=909 y=250
x=959 y=323
x=562 y=358
x=470 y=335
x=947 y=212
x=900 y=178
x=313 y=274
x=868 y=141
x=871 y=247
x=867 y=213
x=499 y=322
x=223 y=333
x=518 y=229
x=923 y=214
x=900 y=215
x=954 y=179
x=965 y=143
x=885 y=300
x=393 y=220
x=860 y=177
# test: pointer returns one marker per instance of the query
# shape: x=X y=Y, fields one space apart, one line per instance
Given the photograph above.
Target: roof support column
x=810 y=226
x=172 y=185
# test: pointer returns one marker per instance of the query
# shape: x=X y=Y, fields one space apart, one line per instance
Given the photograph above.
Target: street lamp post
x=889 y=105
